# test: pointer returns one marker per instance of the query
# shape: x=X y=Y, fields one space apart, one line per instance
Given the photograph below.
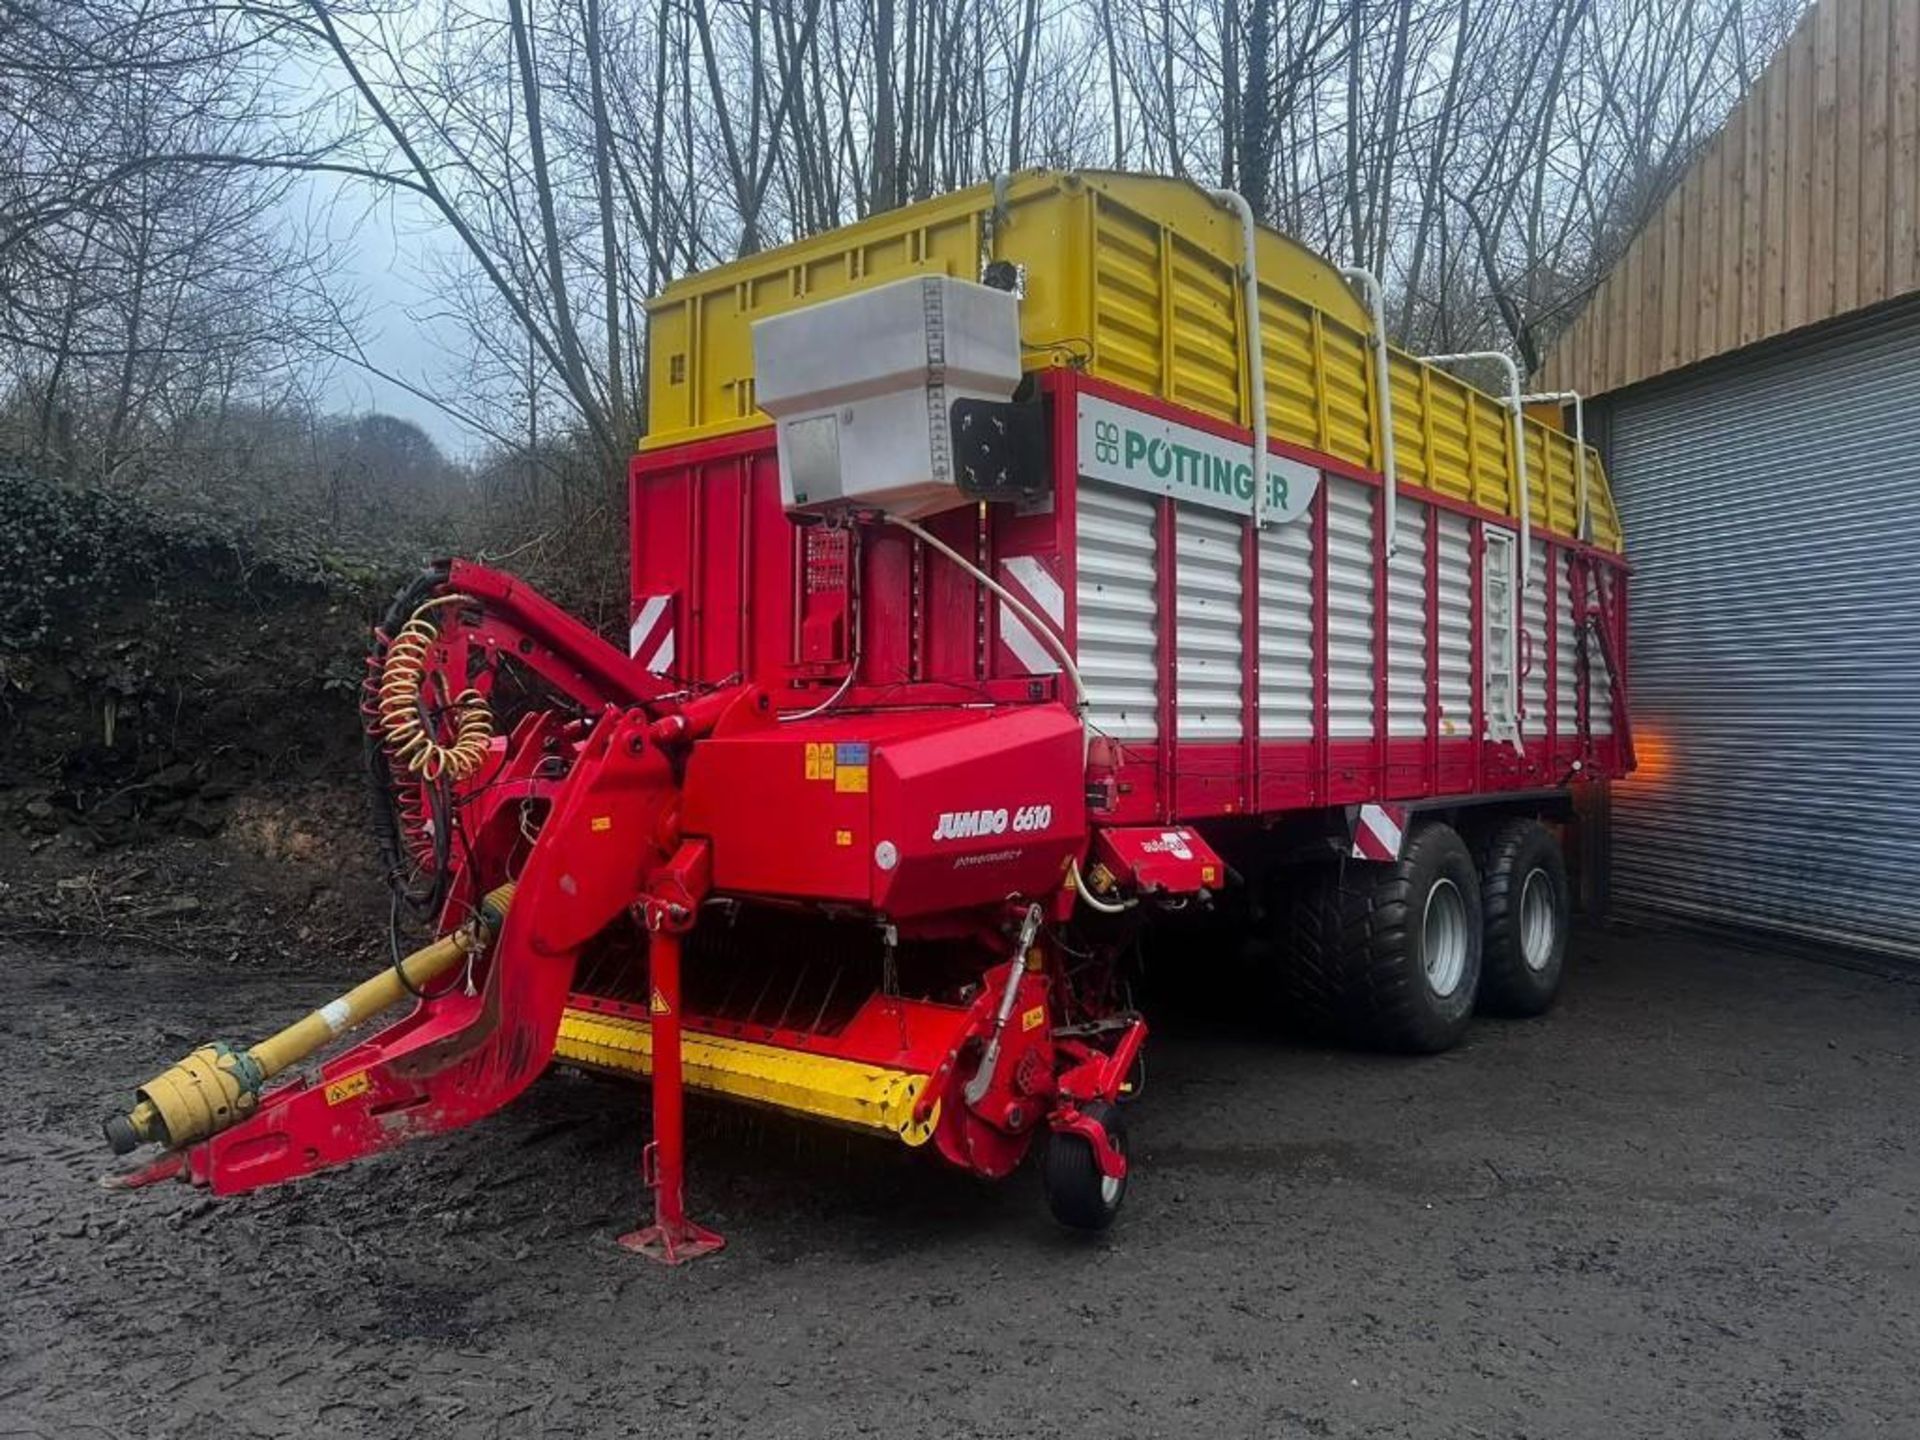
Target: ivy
x=62 y=550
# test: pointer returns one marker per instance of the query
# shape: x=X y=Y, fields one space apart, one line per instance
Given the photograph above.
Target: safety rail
x=1383 y=388
x=1256 y=347
x=1516 y=404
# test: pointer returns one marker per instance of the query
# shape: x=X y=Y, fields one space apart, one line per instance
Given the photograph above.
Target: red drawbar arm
x=545 y=638
x=459 y=1057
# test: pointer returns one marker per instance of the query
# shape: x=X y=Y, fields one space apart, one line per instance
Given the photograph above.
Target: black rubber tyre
x=1525 y=901
x=1361 y=941
x=1079 y=1196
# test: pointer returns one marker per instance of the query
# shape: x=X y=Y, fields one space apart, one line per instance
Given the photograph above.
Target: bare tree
x=1489 y=160
x=154 y=271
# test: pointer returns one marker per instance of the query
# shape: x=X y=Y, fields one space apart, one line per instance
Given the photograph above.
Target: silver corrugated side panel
x=1456 y=624
x=1566 y=674
x=1533 y=646
x=1286 y=631
x=1407 y=622
x=1208 y=624
x=1350 y=618
x=1772 y=510
x=1119 y=612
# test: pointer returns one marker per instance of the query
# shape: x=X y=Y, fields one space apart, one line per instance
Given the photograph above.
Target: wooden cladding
x=1806 y=206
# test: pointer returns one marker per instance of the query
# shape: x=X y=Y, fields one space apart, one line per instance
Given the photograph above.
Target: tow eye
x=218 y=1085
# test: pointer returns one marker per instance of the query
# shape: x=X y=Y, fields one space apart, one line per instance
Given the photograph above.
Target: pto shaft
x=217 y=1084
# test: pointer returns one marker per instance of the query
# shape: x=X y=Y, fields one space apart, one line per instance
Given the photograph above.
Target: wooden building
x=1753 y=372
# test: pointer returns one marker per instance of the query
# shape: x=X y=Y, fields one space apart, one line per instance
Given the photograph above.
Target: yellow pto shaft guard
x=217 y=1084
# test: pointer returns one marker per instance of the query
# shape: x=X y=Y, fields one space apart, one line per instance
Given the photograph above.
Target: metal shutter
x=1119 y=611
x=1207 y=623
x=1772 y=512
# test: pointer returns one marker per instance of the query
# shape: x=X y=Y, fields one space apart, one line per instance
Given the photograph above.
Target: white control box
x=861 y=389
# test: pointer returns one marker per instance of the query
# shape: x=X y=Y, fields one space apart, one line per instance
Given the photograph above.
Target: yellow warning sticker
x=339 y=1091
x=602 y=822
x=659 y=1005
x=1033 y=1019
x=850 y=761
x=843 y=838
x=820 y=760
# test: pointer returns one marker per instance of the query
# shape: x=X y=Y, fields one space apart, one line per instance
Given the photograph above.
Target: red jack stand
x=672 y=1239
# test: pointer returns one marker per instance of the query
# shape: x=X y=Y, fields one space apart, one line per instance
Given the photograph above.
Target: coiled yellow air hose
x=402 y=718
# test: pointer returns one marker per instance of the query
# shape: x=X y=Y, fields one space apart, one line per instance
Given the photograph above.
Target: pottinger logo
x=1163 y=456
x=974 y=824
x=1171 y=842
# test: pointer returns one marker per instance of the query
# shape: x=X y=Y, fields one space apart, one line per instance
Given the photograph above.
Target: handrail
x=1256 y=350
x=1582 y=527
x=1505 y=361
x=1383 y=387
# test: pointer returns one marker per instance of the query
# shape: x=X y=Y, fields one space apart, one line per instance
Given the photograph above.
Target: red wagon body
x=1367 y=685
x=866 y=819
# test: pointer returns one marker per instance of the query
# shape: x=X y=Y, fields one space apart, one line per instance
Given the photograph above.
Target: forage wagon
x=1010 y=572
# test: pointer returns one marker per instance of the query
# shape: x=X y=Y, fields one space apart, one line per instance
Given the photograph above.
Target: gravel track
x=1684 y=1204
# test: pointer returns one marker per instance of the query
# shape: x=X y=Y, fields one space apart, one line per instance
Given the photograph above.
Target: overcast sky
x=387 y=250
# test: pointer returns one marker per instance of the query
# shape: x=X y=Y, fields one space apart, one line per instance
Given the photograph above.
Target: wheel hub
x=1538 y=923
x=1443 y=937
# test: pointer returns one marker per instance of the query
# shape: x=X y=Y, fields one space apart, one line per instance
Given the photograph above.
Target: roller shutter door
x=1772 y=511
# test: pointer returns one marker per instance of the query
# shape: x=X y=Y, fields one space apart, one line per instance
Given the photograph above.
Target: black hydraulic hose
x=442 y=811
x=445 y=821
x=380 y=781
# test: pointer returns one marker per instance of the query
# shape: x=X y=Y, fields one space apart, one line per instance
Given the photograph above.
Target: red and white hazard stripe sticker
x=1378 y=831
x=1028 y=577
x=650 y=637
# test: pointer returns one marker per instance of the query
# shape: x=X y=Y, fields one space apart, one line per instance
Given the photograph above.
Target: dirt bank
x=179 y=739
x=1684 y=1204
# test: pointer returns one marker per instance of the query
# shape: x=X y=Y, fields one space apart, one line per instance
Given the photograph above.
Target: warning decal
x=343 y=1090
x=850 y=768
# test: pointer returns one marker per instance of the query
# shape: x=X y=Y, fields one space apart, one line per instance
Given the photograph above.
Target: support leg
x=672 y=1238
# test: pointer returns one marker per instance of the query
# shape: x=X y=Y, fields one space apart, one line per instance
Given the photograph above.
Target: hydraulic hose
x=1053 y=643
x=1091 y=900
x=1040 y=628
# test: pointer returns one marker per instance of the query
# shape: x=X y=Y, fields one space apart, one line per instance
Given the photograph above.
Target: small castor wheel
x=1077 y=1193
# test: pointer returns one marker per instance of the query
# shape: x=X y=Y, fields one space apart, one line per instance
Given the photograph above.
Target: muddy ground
x=1683 y=1205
